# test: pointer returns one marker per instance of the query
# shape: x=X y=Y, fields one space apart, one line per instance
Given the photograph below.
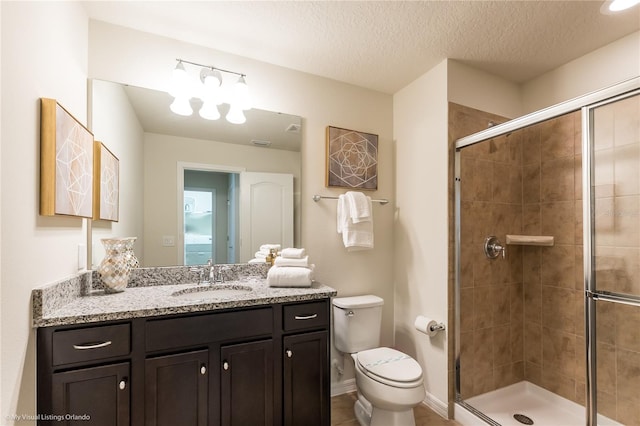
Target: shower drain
x=525 y=420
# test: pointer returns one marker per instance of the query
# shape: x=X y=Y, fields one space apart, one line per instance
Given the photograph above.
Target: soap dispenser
x=271 y=257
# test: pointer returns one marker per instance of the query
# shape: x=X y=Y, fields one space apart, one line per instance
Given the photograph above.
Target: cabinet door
x=306 y=379
x=246 y=388
x=176 y=389
x=94 y=396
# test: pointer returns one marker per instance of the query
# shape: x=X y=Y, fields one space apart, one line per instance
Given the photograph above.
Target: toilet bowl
x=389 y=382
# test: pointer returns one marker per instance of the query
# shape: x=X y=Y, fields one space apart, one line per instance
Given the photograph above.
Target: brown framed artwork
x=66 y=163
x=106 y=184
x=351 y=159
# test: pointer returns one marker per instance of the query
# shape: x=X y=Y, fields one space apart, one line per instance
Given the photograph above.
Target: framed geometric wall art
x=106 y=184
x=66 y=163
x=351 y=159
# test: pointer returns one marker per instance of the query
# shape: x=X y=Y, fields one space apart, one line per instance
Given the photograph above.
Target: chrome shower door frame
x=583 y=103
x=592 y=294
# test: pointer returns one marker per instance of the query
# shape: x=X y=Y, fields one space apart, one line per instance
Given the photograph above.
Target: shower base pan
x=527 y=402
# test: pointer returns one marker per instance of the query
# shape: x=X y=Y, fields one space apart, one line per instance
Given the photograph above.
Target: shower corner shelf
x=530 y=240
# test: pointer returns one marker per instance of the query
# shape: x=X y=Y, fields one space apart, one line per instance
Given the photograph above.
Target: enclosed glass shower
x=547 y=255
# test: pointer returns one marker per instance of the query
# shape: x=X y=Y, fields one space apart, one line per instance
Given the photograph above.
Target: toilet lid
x=390 y=364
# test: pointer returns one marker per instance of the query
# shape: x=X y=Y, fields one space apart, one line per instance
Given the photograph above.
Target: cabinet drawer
x=202 y=329
x=91 y=343
x=305 y=315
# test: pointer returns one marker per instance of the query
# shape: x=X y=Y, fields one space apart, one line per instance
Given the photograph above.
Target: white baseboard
x=436 y=405
x=340 y=388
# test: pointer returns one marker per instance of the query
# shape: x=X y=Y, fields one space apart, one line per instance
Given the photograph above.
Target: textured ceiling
x=383 y=45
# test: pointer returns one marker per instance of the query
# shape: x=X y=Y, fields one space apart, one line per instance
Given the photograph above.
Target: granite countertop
x=87 y=306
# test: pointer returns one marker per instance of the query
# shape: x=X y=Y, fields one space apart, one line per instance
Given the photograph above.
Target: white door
x=266 y=211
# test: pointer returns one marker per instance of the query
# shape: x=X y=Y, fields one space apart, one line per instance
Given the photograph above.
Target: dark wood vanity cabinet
x=264 y=365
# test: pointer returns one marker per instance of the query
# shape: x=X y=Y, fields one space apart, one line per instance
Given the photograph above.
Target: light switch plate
x=168 y=240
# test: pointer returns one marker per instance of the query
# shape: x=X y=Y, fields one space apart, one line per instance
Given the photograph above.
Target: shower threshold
x=544 y=408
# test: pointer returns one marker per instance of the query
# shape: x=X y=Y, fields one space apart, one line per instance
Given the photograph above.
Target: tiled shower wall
x=523 y=317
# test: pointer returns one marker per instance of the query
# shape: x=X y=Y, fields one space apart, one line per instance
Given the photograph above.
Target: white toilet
x=389 y=382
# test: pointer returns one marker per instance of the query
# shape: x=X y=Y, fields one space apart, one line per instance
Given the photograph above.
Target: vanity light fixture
x=211 y=90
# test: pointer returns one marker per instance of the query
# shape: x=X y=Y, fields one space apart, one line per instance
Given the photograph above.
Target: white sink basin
x=207 y=292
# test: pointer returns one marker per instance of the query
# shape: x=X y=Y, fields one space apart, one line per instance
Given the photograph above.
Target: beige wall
x=44 y=54
x=321 y=102
x=420 y=129
x=613 y=63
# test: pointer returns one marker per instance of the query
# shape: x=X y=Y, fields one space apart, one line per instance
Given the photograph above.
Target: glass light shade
x=181 y=84
x=210 y=88
x=181 y=106
x=235 y=115
x=618 y=5
x=241 y=96
x=209 y=111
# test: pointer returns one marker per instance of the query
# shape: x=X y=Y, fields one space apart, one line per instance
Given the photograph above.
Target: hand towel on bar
x=359 y=206
x=287 y=261
x=284 y=276
x=293 y=253
x=355 y=236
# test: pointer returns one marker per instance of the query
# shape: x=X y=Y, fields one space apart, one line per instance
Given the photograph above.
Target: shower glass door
x=612 y=259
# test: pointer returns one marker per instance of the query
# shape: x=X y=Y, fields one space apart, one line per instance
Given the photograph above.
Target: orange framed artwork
x=66 y=163
x=106 y=184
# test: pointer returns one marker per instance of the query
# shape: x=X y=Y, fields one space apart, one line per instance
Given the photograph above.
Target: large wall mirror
x=186 y=183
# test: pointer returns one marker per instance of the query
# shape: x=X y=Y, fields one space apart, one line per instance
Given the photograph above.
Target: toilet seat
x=390 y=367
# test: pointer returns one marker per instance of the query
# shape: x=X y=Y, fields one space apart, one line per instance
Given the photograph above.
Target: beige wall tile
x=556 y=138
x=627 y=220
x=558 y=266
x=606 y=368
x=628 y=374
x=626 y=121
x=627 y=328
x=558 y=352
x=557 y=179
x=627 y=170
x=558 y=220
x=558 y=308
x=501 y=345
x=533 y=343
x=533 y=373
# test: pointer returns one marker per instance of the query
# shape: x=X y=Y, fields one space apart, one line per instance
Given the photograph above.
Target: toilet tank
x=356 y=322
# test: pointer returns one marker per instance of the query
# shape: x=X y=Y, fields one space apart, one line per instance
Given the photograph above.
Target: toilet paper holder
x=437 y=327
x=428 y=326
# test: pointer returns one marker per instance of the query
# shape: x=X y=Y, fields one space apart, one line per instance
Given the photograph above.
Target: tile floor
x=342 y=413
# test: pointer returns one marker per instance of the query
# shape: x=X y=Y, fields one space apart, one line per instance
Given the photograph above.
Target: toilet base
x=373 y=416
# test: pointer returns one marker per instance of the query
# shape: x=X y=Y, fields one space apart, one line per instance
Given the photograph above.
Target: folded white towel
x=359 y=206
x=256 y=260
x=260 y=254
x=286 y=261
x=355 y=236
x=267 y=247
x=284 y=276
x=293 y=253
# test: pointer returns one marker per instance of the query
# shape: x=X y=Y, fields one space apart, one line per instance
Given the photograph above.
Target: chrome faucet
x=216 y=274
x=201 y=271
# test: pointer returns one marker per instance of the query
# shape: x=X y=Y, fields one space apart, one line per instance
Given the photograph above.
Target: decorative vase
x=116 y=266
x=129 y=253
